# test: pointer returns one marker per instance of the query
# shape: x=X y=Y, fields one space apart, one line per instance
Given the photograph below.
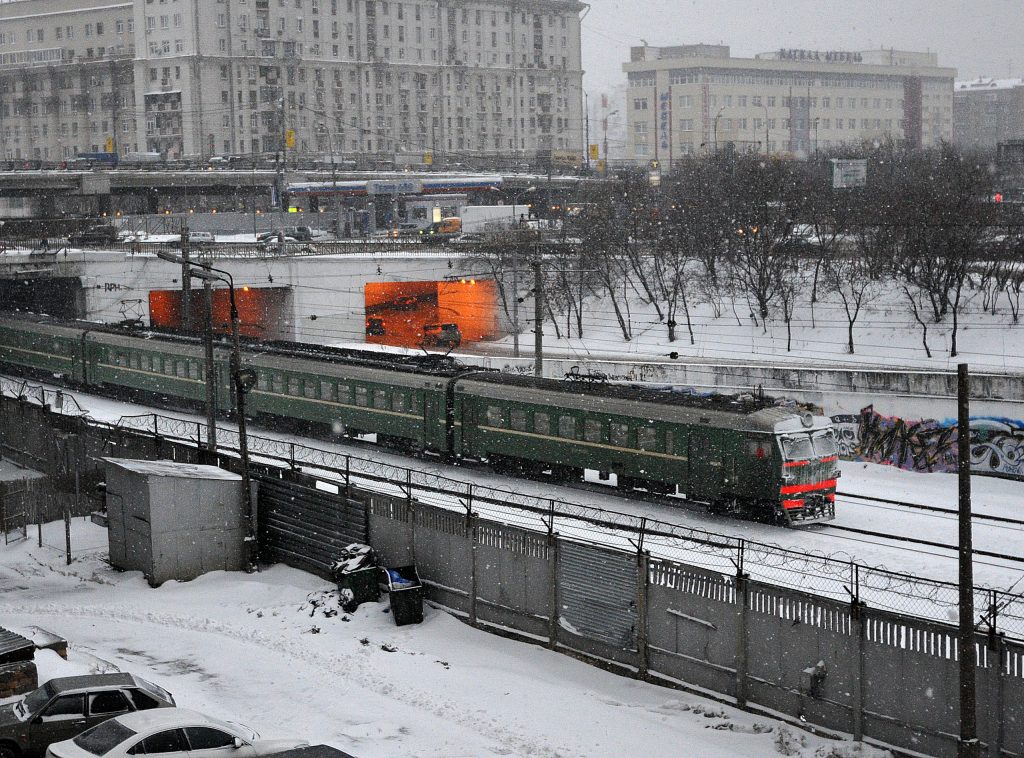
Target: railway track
x=932 y=509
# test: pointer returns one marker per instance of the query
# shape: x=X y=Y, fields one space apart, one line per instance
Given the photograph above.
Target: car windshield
x=797 y=448
x=825 y=445
x=33 y=701
x=103 y=737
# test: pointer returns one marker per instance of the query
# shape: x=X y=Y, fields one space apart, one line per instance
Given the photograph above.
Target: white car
x=201 y=237
x=171 y=733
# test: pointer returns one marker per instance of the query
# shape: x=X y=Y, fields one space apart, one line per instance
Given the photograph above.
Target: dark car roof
x=71 y=683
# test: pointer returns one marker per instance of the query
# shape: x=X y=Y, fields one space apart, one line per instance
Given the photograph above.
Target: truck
x=478 y=219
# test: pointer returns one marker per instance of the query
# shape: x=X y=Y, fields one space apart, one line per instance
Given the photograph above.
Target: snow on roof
x=172 y=469
x=986 y=84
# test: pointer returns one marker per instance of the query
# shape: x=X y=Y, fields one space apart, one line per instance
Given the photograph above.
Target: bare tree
x=850 y=277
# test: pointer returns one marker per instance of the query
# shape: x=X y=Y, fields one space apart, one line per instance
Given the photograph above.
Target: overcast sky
x=977 y=37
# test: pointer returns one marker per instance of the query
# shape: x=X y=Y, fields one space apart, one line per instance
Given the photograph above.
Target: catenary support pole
x=969 y=746
x=186 y=282
x=538 y=319
x=211 y=373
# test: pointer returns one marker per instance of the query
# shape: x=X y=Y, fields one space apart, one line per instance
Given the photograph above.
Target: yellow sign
x=428 y=159
x=110 y=144
x=293 y=209
x=601 y=167
x=289 y=139
x=595 y=152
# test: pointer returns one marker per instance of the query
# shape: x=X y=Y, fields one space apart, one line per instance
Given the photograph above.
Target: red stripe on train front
x=790 y=505
x=794 y=464
x=797 y=489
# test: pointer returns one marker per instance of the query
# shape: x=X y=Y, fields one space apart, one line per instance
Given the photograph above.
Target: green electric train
x=736 y=454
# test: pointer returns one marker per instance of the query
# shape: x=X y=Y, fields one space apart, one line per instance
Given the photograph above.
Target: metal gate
x=597 y=591
x=16 y=499
x=305 y=526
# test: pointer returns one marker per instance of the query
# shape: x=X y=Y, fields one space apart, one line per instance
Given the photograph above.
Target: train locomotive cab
x=809 y=457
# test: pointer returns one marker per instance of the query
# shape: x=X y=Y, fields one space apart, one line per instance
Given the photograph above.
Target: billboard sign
x=849 y=173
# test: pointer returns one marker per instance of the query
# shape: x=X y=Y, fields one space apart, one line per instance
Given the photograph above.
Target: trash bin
x=405 y=594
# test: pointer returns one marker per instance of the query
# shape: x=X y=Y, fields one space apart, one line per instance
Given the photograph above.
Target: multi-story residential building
x=192 y=78
x=988 y=111
x=696 y=98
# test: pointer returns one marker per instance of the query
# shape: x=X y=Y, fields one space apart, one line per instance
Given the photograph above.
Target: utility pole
x=968 y=747
x=515 y=302
x=186 y=282
x=211 y=377
x=586 y=121
x=538 y=318
x=281 y=163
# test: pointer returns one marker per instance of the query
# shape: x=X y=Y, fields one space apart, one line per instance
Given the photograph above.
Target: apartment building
x=198 y=78
x=694 y=99
x=987 y=112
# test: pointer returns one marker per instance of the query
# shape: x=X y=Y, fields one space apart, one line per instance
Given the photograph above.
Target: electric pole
x=211 y=377
x=186 y=282
x=969 y=746
x=515 y=304
x=538 y=319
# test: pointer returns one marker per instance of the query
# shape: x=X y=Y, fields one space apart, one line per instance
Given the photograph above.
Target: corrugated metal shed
x=15 y=648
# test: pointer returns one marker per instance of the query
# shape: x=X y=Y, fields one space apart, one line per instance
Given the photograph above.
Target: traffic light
x=998 y=197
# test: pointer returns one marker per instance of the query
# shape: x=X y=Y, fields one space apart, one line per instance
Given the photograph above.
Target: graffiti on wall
x=930 y=446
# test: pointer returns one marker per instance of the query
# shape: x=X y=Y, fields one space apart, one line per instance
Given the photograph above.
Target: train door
x=435 y=420
x=706 y=465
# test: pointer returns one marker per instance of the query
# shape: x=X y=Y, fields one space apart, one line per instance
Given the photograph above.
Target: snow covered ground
x=885 y=334
x=273 y=650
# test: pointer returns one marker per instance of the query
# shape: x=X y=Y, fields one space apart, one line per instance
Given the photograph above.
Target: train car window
x=362 y=397
x=495 y=416
x=158 y=364
x=517 y=420
x=620 y=435
x=193 y=370
x=380 y=399
x=542 y=423
x=309 y=388
x=168 y=367
x=669 y=447
x=278 y=383
x=592 y=429
x=398 y=402
x=136 y=361
x=262 y=382
x=417 y=403
x=326 y=390
x=344 y=394
x=294 y=386
x=117 y=359
x=181 y=369
x=146 y=363
x=567 y=427
x=647 y=438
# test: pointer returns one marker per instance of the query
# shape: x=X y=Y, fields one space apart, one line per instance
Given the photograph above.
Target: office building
x=697 y=98
x=987 y=112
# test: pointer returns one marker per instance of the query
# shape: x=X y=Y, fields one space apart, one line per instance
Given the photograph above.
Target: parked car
x=442 y=335
x=201 y=237
x=63 y=707
x=171 y=732
x=104 y=234
x=301 y=233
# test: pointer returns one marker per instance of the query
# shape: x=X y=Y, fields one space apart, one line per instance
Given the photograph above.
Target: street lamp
x=243 y=381
x=334 y=170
